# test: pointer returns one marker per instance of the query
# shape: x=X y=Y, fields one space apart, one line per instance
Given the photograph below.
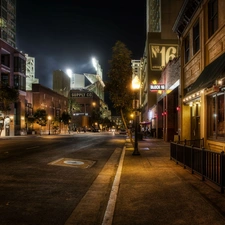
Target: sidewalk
x=155 y=190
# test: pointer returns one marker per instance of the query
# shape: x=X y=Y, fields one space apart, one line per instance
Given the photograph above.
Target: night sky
x=63 y=34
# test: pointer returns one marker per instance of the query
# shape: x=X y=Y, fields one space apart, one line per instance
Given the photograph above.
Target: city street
x=43 y=178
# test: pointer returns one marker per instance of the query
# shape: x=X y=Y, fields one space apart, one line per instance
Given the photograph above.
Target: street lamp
x=49 y=120
x=136 y=86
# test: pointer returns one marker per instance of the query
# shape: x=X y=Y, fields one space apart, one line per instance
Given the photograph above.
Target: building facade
x=200 y=27
x=30 y=72
x=8 y=21
x=41 y=97
x=61 y=82
x=77 y=81
x=13 y=73
x=161 y=47
x=84 y=109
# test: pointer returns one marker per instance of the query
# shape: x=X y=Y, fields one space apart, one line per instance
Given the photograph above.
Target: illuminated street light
x=49 y=121
x=136 y=83
x=136 y=86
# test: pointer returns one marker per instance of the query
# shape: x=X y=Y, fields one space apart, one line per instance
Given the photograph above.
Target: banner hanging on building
x=161 y=54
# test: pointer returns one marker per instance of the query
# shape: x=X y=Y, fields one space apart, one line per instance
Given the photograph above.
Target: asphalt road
x=43 y=178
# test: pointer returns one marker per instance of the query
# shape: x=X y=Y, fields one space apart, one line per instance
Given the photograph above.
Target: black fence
x=196 y=143
x=208 y=164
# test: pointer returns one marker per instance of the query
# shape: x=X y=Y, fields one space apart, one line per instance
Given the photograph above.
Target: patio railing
x=208 y=164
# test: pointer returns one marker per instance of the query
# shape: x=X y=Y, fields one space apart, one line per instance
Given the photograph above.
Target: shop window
x=196 y=38
x=212 y=17
x=216 y=128
x=187 y=49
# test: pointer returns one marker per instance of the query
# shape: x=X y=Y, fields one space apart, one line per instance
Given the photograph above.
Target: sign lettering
x=161 y=54
x=157 y=87
x=81 y=94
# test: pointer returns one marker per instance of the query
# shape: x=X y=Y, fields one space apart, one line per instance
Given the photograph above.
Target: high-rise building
x=30 y=72
x=61 y=82
x=8 y=21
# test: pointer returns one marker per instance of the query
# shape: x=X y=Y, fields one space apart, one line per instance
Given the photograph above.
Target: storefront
x=204 y=108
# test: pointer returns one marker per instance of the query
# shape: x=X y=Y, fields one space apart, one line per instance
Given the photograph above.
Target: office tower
x=8 y=21
x=61 y=82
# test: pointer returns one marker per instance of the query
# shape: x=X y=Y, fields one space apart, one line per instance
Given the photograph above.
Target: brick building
x=202 y=71
x=85 y=109
x=44 y=98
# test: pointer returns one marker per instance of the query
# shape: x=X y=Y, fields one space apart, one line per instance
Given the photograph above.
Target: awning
x=209 y=75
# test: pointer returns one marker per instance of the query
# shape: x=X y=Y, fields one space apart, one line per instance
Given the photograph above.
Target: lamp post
x=136 y=86
x=49 y=120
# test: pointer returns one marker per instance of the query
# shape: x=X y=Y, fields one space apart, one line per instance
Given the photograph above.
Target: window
x=19 y=65
x=196 y=39
x=4 y=35
x=212 y=17
x=216 y=128
x=20 y=82
x=187 y=50
x=5 y=78
x=4 y=14
x=5 y=60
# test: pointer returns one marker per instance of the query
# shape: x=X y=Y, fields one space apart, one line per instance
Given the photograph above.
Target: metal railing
x=196 y=142
x=208 y=164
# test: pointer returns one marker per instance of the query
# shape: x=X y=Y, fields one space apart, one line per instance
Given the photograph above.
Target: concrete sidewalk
x=155 y=190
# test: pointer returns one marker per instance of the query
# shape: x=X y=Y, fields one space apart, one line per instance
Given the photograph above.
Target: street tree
x=73 y=106
x=66 y=118
x=8 y=96
x=41 y=117
x=120 y=78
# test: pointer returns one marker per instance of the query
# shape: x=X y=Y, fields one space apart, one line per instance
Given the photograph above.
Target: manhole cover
x=78 y=163
x=72 y=162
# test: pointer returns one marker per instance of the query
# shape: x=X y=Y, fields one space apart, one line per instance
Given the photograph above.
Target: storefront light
x=150 y=114
x=11 y=118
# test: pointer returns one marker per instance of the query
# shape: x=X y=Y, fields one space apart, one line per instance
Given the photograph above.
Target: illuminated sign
x=161 y=54
x=157 y=87
x=81 y=94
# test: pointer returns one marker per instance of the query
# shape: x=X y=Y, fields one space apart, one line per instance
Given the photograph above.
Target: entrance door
x=195 y=128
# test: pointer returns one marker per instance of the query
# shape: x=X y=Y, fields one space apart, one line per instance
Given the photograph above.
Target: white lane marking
x=108 y=216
